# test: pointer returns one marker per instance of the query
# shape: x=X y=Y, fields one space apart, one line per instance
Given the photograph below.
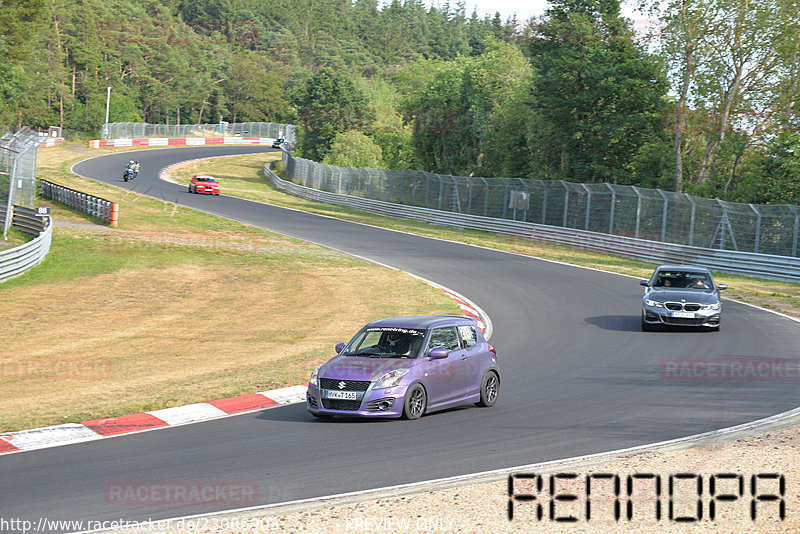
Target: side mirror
x=339 y=347
x=644 y=282
x=722 y=286
x=438 y=354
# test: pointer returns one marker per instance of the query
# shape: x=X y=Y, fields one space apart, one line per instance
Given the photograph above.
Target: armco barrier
x=17 y=260
x=749 y=264
x=95 y=206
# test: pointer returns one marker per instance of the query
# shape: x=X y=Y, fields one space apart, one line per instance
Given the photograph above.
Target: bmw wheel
x=490 y=387
x=415 y=403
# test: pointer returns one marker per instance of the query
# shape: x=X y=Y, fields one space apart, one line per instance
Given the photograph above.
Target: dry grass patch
x=150 y=338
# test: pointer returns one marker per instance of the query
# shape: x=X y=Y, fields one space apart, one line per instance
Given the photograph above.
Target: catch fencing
x=625 y=211
x=141 y=130
x=655 y=251
x=17 y=172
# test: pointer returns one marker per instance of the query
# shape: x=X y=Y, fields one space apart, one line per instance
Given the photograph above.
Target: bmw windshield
x=386 y=342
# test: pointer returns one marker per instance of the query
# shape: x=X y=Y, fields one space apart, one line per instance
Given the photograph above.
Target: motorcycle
x=129 y=174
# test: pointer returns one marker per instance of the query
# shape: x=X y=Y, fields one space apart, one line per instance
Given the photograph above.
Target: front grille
x=338 y=404
x=677 y=306
x=349 y=385
x=684 y=322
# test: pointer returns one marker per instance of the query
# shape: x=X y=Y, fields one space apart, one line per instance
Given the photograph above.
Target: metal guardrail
x=95 y=206
x=17 y=260
x=783 y=268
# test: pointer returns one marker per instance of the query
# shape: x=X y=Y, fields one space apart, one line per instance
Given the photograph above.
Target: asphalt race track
x=578 y=377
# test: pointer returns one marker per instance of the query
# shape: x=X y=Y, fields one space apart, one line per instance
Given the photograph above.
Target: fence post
x=588 y=206
x=796 y=227
x=757 y=239
x=613 y=207
x=663 y=216
x=691 y=219
x=566 y=202
x=638 y=210
x=10 y=204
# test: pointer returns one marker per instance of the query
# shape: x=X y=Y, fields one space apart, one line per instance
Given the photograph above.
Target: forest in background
x=706 y=104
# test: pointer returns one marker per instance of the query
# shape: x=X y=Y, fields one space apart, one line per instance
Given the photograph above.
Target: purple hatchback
x=407 y=366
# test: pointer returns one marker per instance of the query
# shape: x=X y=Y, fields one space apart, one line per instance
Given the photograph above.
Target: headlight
x=314 y=381
x=654 y=303
x=714 y=306
x=391 y=379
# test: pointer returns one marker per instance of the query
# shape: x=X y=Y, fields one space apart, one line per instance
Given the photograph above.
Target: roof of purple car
x=423 y=321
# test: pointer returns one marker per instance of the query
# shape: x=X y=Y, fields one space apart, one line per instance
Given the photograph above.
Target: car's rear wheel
x=415 y=403
x=490 y=387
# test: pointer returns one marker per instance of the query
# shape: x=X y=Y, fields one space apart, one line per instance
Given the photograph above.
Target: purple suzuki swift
x=407 y=366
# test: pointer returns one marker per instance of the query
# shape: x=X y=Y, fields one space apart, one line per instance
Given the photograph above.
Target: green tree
x=354 y=149
x=329 y=105
x=601 y=94
x=453 y=115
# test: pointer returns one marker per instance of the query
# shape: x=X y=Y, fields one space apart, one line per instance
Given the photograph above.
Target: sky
x=524 y=9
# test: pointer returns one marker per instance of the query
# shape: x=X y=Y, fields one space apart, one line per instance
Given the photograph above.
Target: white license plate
x=344 y=395
x=683 y=315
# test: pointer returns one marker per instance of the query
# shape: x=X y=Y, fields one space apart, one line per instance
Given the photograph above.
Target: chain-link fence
x=629 y=211
x=18 y=172
x=141 y=130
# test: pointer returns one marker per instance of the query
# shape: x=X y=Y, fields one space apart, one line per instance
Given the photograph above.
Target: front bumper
x=379 y=403
x=655 y=316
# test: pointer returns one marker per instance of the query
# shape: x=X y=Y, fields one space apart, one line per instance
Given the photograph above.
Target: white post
x=108 y=106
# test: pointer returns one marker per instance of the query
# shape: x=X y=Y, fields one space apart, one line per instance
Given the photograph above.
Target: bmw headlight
x=654 y=303
x=391 y=379
x=714 y=306
x=314 y=381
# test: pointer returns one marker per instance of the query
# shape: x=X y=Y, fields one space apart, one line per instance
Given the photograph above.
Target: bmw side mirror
x=438 y=354
x=722 y=286
x=339 y=347
x=644 y=282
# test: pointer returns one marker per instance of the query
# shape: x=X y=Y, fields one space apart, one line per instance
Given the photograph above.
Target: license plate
x=344 y=395
x=683 y=315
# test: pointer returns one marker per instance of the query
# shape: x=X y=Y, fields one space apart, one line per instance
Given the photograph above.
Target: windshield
x=205 y=179
x=386 y=342
x=683 y=280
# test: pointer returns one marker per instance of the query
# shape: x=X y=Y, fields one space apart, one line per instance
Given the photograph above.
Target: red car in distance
x=203 y=183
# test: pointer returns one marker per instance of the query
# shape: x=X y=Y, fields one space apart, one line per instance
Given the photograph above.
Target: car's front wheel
x=490 y=387
x=416 y=402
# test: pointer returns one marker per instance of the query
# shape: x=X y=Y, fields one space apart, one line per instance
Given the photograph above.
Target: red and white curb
x=51 y=436
x=181 y=141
